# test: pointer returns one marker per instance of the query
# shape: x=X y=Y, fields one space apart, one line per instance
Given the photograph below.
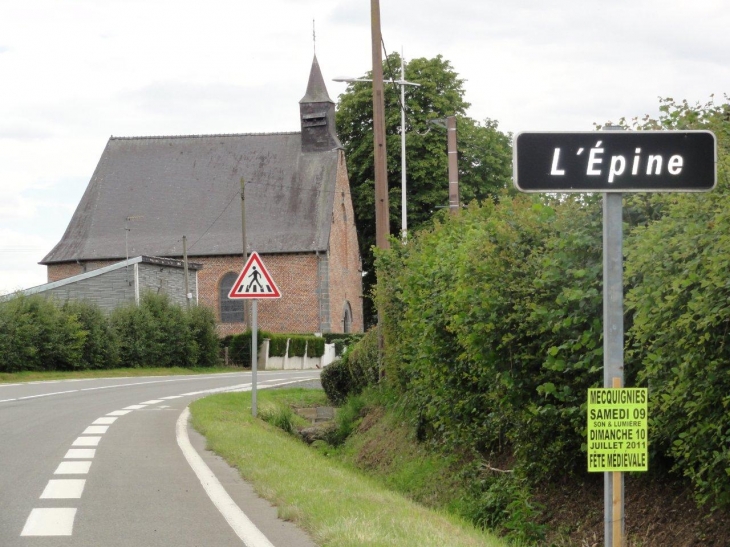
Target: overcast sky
x=72 y=73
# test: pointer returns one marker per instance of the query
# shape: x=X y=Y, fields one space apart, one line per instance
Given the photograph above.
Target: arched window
x=347 y=320
x=231 y=310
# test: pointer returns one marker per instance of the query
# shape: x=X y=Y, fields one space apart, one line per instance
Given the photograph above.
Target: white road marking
x=153 y=402
x=134 y=407
x=73 y=468
x=86 y=441
x=239 y=387
x=7 y=400
x=163 y=398
x=104 y=421
x=237 y=519
x=46 y=394
x=50 y=522
x=65 y=489
x=80 y=453
x=119 y=413
x=96 y=430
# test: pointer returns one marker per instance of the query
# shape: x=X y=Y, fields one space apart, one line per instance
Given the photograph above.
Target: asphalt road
x=97 y=463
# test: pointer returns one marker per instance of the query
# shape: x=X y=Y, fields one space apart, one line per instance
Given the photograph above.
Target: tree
x=679 y=301
x=484 y=152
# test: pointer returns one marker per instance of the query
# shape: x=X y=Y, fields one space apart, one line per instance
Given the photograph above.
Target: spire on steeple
x=316 y=90
x=317 y=112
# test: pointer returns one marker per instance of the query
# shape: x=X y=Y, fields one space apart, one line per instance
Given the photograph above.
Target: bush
x=155 y=334
x=36 y=335
x=315 y=346
x=240 y=346
x=297 y=346
x=101 y=344
x=362 y=362
x=336 y=381
x=495 y=346
x=277 y=345
x=203 y=338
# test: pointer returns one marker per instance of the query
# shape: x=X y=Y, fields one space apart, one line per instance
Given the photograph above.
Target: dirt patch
x=657 y=515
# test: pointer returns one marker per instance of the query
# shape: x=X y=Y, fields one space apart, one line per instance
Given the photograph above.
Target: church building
x=148 y=192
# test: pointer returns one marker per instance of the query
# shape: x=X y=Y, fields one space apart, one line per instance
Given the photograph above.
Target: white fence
x=266 y=362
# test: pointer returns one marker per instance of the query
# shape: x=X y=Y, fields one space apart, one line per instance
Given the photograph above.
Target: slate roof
x=190 y=185
x=316 y=89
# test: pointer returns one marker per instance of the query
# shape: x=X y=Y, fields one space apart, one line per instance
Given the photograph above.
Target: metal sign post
x=254 y=352
x=613 y=351
x=254 y=282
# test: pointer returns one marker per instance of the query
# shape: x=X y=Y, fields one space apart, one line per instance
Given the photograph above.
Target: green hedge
x=297 y=346
x=277 y=345
x=315 y=346
x=38 y=333
x=493 y=323
x=240 y=346
x=352 y=373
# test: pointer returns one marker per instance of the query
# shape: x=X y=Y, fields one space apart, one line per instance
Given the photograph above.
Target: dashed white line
x=65 y=489
x=96 y=430
x=73 y=468
x=46 y=394
x=134 y=407
x=104 y=421
x=80 y=453
x=119 y=413
x=86 y=441
x=153 y=402
x=50 y=522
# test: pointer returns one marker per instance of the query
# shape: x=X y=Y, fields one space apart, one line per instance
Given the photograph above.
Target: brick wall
x=295 y=275
x=345 y=275
x=56 y=272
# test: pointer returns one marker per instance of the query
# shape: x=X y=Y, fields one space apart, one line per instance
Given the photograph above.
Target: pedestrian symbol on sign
x=254 y=281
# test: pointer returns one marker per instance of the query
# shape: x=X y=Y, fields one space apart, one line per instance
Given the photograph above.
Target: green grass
x=337 y=505
x=29 y=376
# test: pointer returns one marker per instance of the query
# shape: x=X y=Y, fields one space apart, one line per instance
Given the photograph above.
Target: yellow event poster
x=617 y=429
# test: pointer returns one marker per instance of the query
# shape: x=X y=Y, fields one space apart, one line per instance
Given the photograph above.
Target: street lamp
x=402 y=83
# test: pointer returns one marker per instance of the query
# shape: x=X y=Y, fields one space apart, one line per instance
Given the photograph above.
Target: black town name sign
x=615 y=161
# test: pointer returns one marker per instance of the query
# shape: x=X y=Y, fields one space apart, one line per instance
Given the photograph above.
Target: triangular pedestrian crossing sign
x=254 y=281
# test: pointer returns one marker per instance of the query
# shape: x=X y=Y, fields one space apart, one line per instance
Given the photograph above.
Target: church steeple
x=317 y=113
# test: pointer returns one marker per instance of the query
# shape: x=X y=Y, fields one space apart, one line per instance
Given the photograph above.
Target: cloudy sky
x=72 y=73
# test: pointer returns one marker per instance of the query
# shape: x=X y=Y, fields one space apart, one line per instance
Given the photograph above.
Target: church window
x=231 y=310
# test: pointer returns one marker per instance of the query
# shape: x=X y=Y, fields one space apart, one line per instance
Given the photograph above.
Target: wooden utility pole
x=185 y=270
x=382 y=212
x=246 y=308
x=453 y=165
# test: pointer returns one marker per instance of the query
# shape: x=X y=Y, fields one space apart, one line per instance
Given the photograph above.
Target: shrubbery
x=39 y=334
x=354 y=371
x=336 y=381
x=35 y=334
x=240 y=346
x=493 y=323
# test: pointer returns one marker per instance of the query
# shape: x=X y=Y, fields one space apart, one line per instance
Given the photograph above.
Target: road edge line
x=235 y=517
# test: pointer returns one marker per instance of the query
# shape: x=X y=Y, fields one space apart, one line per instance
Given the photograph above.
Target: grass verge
x=40 y=376
x=338 y=506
